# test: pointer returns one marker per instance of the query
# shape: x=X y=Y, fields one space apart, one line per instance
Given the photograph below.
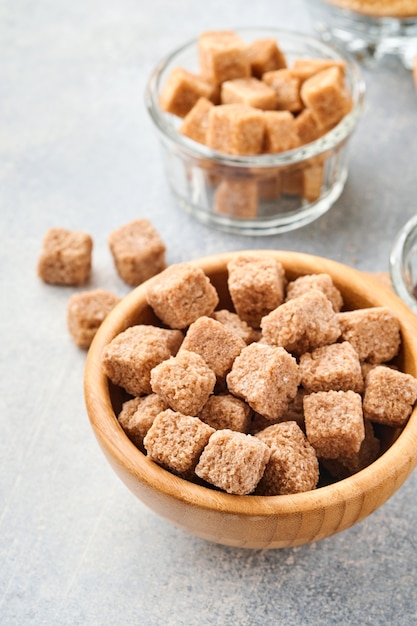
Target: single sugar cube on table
x=65 y=257
x=85 y=313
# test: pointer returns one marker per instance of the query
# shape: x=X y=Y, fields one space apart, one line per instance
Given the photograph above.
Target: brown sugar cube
x=250 y=91
x=389 y=396
x=181 y=294
x=334 y=423
x=182 y=90
x=138 y=251
x=306 y=127
x=256 y=284
x=293 y=413
x=265 y=56
x=280 y=132
x=287 y=89
x=218 y=345
x=336 y=366
x=321 y=282
x=269 y=186
x=237 y=198
x=237 y=325
x=129 y=358
x=292 y=181
x=85 y=313
x=235 y=129
x=185 y=382
x=176 y=441
x=306 y=68
x=327 y=96
x=313 y=177
x=345 y=466
x=138 y=414
x=293 y=465
x=195 y=122
x=222 y=56
x=266 y=377
x=373 y=332
x=233 y=461
x=302 y=324
x=226 y=411
x=65 y=257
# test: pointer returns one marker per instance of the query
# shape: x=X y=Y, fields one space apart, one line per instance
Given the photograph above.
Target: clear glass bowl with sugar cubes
x=254 y=126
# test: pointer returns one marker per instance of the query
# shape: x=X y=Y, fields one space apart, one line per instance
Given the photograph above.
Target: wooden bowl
x=254 y=521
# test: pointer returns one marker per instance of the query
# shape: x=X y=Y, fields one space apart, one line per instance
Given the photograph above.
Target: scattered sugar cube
x=302 y=324
x=237 y=325
x=182 y=90
x=138 y=251
x=345 y=466
x=327 y=96
x=176 y=441
x=256 y=284
x=233 y=461
x=266 y=377
x=195 y=122
x=226 y=411
x=181 y=294
x=287 y=89
x=85 y=313
x=250 y=91
x=389 y=396
x=334 y=423
x=321 y=282
x=213 y=341
x=236 y=129
x=129 y=358
x=138 y=414
x=265 y=56
x=293 y=465
x=184 y=381
x=65 y=257
x=280 y=132
x=373 y=332
x=236 y=197
x=222 y=56
x=336 y=366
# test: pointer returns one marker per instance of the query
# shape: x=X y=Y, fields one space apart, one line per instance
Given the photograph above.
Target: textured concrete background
x=77 y=150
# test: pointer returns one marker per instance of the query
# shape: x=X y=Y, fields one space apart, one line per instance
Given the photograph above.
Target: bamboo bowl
x=255 y=521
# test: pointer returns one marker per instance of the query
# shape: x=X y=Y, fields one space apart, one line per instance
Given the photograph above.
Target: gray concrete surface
x=77 y=150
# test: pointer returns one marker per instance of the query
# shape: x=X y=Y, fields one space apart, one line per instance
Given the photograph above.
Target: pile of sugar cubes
x=264 y=398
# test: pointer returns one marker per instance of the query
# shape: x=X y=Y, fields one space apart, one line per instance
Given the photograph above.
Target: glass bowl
x=403 y=264
x=196 y=174
x=368 y=30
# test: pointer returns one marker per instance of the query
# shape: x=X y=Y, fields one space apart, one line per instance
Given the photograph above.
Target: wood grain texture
x=255 y=521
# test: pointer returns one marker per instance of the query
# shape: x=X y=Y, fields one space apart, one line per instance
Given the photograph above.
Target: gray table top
x=77 y=150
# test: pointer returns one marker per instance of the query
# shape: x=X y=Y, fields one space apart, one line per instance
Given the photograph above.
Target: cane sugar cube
x=287 y=89
x=306 y=127
x=226 y=411
x=280 y=132
x=306 y=68
x=336 y=366
x=321 y=282
x=292 y=181
x=250 y=91
x=223 y=56
x=233 y=461
x=334 y=423
x=389 y=396
x=256 y=284
x=185 y=382
x=138 y=414
x=181 y=294
x=233 y=322
x=236 y=129
x=237 y=198
x=327 y=96
x=65 y=257
x=195 y=122
x=85 y=313
x=138 y=251
x=266 y=377
x=302 y=324
x=175 y=441
x=129 y=358
x=345 y=466
x=373 y=332
x=182 y=90
x=265 y=56
x=313 y=177
x=218 y=345
x=269 y=187
x=293 y=466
